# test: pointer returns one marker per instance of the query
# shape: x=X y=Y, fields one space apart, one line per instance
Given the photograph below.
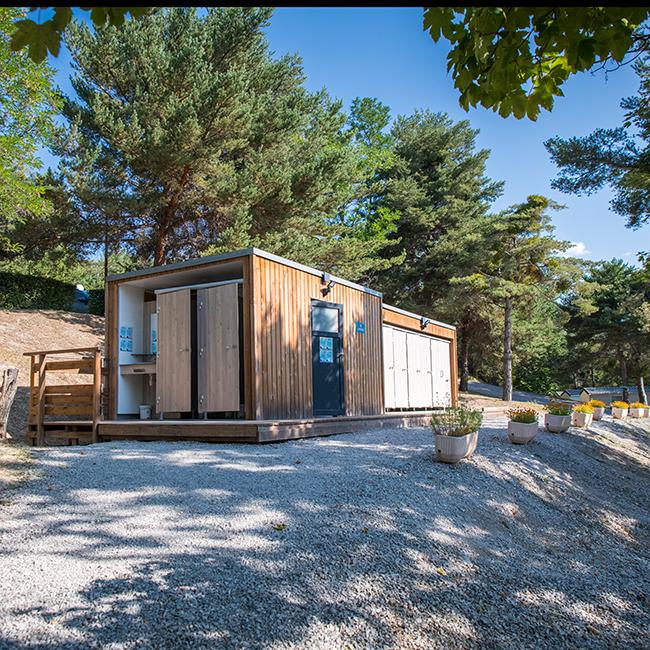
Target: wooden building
x=251 y=346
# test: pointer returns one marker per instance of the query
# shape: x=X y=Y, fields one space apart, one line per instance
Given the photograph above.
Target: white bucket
x=145 y=412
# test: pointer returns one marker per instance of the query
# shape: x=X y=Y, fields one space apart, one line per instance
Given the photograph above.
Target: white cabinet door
x=389 y=368
x=417 y=394
x=426 y=389
x=441 y=372
x=401 y=369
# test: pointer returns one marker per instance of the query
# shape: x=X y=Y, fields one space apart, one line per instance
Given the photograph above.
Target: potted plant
x=619 y=410
x=599 y=408
x=522 y=425
x=637 y=410
x=456 y=433
x=558 y=417
x=582 y=415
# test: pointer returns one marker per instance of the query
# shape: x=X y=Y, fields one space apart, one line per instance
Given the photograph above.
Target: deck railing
x=64 y=400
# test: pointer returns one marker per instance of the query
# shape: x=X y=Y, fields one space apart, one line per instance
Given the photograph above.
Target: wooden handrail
x=94 y=348
x=39 y=390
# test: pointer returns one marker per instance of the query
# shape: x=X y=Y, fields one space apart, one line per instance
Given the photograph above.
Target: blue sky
x=383 y=53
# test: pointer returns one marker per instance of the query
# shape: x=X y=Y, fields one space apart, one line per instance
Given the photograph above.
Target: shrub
x=620 y=405
x=456 y=421
x=583 y=408
x=638 y=405
x=558 y=408
x=596 y=403
x=96 y=302
x=21 y=291
x=524 y=415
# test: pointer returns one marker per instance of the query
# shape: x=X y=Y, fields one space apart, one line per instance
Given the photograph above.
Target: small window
x=325 y=319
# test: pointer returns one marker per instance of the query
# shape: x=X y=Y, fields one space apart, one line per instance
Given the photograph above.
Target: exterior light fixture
x=424 y=321
x=326 y=279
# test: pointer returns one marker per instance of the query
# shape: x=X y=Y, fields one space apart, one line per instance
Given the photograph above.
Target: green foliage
x=39 y=38
x=523 y=415
x=438 y=186
x=619 y=158
x=456 y=421
x=607 y=333
x=34 y=292
x=27 y=107
x=558 y=408
x=516 y=59
x=96 y=302
x=208 y=143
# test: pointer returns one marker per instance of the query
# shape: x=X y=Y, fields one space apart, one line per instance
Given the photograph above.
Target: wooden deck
x=254 y=431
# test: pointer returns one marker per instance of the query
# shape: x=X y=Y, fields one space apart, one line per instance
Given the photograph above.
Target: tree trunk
x=105 y=250
x=164 y=227
x=464 y=361
x=623 y=367
x=507 y=350
x=643 y=398
x=8 y=386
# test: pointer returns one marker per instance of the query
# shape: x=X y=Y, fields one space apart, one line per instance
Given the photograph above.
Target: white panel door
x=415 y=374
x=401 y=369
x=426 y=395
x=441 y=372
x=389 y=368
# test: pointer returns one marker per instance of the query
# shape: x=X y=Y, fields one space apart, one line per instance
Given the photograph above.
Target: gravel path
x=353 y=541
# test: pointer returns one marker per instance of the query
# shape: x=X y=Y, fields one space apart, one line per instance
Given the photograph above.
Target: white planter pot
x=520 y=433
x=557 y=423
x=581 y=419
x=599 y=411
x=451 y=449
x=619 y=414
x=637 y=413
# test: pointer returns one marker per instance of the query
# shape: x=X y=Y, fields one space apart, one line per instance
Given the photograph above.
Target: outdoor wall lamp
x=326 y=279
x=424 y=322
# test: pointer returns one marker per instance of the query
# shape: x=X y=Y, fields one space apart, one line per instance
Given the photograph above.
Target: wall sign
x=360 y=327
x=126 y=339
x=325 y=349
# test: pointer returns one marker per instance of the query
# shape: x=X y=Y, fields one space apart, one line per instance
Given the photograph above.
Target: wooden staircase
x=64 y=412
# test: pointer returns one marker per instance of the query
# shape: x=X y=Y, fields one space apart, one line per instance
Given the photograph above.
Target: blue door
x=327 y=358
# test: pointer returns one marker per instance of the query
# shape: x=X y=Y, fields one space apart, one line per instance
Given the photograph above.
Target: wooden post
x=40 y=403
x=97 y=393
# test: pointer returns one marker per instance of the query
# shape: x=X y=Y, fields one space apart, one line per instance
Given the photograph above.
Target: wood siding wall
x=411 y=323
x=282 y=343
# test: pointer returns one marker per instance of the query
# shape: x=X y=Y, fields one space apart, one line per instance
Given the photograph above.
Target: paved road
x=490 y=390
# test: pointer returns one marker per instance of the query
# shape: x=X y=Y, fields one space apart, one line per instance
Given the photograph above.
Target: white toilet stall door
x=416 y=370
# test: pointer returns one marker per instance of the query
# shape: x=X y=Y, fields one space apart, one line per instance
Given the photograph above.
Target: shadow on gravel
x=347 y=540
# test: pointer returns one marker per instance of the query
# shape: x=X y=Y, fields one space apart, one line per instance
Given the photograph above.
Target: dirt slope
x=31 y=330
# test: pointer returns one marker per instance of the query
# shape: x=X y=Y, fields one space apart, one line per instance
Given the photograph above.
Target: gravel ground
x=353 y=541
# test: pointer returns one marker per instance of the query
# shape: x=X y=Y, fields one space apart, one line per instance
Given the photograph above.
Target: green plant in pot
x=558 y=417
x=522 y=425
x=455 y=432
x=582 y=415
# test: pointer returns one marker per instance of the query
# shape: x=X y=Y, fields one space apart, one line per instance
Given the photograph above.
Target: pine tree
x=522 y=264
x=188 y=138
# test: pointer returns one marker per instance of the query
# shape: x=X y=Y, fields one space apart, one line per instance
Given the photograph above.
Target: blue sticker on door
x=326 y=349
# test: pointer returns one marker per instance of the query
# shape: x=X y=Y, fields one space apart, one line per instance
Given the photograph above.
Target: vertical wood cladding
x=282 y=341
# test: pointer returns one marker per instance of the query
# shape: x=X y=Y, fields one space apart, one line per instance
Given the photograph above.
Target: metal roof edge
x=196 y=261
x=414 y=315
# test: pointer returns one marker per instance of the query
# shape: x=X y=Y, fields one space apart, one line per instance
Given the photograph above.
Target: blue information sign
x=361 y=327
